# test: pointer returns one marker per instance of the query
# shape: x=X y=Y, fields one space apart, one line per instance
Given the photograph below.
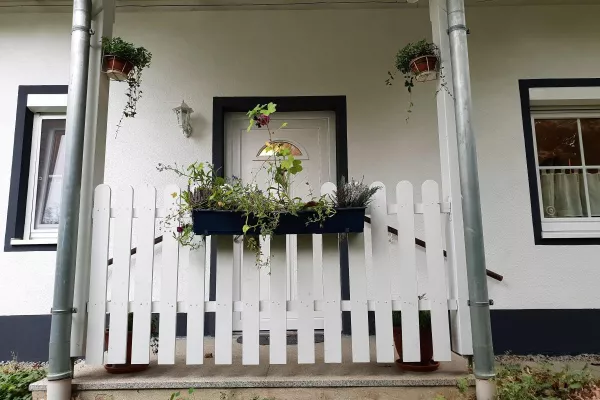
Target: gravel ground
x=593 y=359
x=23 y=364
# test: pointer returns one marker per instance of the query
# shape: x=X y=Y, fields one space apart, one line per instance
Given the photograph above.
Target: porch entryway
x=382 y=272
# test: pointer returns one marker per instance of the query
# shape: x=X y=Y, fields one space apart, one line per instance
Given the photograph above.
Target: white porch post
x=94 y=152
x=455 y=239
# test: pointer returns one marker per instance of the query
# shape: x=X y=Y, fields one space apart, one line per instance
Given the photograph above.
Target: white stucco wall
x=199 y=55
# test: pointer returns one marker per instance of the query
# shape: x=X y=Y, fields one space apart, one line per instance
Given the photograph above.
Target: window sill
x=32 y=242
x=571 y=235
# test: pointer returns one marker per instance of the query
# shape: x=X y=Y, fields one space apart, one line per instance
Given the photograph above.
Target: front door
x=311 y=137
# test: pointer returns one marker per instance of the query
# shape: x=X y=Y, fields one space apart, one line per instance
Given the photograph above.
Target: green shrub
x=515 y=382
x=15 y=379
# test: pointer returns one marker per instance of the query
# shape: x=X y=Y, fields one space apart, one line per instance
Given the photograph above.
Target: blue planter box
x=218 y=222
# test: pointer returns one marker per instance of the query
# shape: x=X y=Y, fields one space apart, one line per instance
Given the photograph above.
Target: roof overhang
x=187 y=5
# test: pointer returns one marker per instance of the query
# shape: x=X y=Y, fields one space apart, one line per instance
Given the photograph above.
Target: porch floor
x=264 y=375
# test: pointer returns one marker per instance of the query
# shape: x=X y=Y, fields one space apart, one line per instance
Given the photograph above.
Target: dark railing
x=421 y=243
x=393 y=231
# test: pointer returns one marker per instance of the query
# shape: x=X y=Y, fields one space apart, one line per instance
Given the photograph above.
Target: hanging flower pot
x=124 y=62
x=116 y=68
x=420 y=62
x=424 y=68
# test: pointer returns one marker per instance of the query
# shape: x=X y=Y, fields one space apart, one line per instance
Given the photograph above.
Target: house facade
x=535 y=91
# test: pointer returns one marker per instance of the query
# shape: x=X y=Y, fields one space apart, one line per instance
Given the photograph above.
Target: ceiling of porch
x=185 y=5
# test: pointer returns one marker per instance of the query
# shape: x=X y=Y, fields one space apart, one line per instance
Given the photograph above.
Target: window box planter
x=219 y=222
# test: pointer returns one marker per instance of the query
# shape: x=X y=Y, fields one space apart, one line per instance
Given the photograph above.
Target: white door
x=311 y=136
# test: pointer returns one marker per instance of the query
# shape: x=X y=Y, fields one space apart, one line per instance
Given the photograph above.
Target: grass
x=16 y=377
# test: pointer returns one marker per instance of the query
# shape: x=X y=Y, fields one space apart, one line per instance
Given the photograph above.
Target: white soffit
x=186 y=5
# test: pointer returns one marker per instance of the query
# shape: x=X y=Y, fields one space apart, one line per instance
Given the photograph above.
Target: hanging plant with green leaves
x=123 y=61
x=417 y=61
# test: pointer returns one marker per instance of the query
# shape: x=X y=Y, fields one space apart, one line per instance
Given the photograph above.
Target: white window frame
x=552 y=228
x=31 y=234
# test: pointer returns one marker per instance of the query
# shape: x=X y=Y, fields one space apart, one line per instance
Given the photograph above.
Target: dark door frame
x=337 y=104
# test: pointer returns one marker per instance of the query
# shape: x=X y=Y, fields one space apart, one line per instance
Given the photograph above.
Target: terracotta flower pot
x=426 y=343
x=424 y=64
x=128 y=366
x=116 y=68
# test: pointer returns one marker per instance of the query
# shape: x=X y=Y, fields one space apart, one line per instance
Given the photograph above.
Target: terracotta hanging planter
x=116 y=68
x=425 y=68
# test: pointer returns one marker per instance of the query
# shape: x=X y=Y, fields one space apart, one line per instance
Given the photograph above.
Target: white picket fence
x=394 y=283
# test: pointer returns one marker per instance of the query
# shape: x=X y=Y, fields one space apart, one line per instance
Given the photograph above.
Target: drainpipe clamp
x=480 y=303
x=458 y=27
x=67 y=311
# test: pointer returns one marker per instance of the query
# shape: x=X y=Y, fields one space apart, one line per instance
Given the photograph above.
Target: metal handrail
x=421 y=243
x=393 y=231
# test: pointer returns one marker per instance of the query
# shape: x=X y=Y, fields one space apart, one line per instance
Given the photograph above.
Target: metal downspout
x=59 y=370
x=483 y=352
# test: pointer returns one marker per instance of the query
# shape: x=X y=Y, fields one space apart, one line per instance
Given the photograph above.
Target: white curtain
x=563 y=193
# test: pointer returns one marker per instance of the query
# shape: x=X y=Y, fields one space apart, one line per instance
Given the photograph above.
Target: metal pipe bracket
x=67 y=311
x=458 y=27
x=480 y=303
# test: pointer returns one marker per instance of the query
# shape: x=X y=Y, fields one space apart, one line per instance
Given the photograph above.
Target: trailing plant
x=404 y=58
x=140 y=58
x=16 y=377
x=353 y=194
x=261 y=209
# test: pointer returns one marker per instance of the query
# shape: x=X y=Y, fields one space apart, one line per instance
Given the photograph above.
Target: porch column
x=460 y=319
x=94 y=151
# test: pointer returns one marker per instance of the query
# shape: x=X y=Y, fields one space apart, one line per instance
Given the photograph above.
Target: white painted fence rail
x=393 y=279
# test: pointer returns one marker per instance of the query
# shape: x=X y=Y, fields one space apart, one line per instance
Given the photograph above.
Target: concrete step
x=354 y=393
x=345 y=381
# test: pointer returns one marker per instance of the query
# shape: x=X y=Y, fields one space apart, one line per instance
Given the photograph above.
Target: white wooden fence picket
x=394 y=275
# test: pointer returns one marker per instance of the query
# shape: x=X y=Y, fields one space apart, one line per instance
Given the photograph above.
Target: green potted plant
x=417 y=61
x=220 y=206
x=427 y=364
x=128 y=367
x=123 y=61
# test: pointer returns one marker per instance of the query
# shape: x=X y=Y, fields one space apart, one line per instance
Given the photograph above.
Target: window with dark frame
x=562 y=140
x=36 y=175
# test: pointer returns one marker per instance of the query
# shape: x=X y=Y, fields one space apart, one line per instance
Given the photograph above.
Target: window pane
x=563 y=193
x=557 y=142
x=50 y=170
x=593 y=178
x=295 y=151
x=590 y=134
